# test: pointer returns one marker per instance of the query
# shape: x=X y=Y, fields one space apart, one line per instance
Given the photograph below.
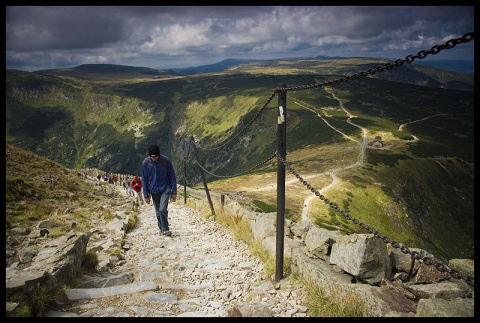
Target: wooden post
x=185 y=152
x=204 y=180
x=184 y=181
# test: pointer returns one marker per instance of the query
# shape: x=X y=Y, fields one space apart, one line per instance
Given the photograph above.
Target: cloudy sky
x=40 y=37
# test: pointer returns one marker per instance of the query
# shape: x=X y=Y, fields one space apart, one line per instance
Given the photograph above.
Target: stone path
x=201 y=270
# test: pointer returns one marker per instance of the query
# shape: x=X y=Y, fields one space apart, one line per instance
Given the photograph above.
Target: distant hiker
x=136 y=185
x=99 y=177
x=130 y=190
x=159 y=184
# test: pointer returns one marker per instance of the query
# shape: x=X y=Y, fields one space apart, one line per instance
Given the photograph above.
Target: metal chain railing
x=399 y=62
x=409 y=59
x=239 y=174
x=388 y=66
x=439 y=266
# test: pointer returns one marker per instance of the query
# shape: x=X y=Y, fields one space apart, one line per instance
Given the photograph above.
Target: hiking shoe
x=167 y=233
x=161 y=232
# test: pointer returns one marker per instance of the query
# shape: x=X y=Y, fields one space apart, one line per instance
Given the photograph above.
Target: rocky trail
x=201 y=270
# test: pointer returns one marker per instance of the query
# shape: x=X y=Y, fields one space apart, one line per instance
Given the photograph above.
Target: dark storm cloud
x=51 y=28
x=39 y=37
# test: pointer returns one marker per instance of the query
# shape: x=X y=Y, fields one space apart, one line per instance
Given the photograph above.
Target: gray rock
x=79 y=293
x=437 y=307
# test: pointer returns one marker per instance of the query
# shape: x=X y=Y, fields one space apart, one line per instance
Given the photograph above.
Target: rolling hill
x=416 y=189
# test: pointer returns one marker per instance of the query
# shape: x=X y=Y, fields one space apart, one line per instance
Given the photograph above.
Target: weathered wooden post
x=204 y=179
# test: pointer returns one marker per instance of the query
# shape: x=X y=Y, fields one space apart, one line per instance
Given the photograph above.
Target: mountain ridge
x=458 y=66
x=90 y=123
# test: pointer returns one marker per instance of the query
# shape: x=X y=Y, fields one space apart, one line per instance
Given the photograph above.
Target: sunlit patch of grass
x=264 y=207
x=239 y=227
x=258 y=250
x=370 y=206
x=333 y=300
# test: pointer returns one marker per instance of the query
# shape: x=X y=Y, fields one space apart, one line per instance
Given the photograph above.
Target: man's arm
x=173 y=178
x=146 y=186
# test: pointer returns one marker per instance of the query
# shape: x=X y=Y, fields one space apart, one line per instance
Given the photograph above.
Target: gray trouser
x=138 y=197
x=160 y=203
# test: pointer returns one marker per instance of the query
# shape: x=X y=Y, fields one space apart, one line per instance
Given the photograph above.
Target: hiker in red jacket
x=136 y=185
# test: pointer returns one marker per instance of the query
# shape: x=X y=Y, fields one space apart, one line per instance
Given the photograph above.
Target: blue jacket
x=158 y=176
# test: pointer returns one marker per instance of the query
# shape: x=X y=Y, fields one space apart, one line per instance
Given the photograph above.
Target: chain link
x=439 y=266
x=388 y=66
x=239 y=174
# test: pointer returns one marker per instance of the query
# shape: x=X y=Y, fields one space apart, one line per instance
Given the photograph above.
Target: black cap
x=154 y=150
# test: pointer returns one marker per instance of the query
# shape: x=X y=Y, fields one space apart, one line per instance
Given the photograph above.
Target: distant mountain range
x=212 y=68
x=459 y=66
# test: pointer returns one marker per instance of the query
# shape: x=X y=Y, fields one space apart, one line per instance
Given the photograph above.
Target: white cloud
x=184 y=36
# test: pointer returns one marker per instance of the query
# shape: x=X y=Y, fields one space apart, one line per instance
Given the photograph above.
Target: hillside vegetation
x=416 y=188
x=38 y=189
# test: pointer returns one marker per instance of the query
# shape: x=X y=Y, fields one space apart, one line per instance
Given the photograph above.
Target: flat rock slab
x=82 y=293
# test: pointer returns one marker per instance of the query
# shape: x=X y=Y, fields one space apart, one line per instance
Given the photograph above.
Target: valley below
x=394 y=151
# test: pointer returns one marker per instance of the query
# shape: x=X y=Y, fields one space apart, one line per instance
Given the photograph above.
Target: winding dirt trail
x=358 y=163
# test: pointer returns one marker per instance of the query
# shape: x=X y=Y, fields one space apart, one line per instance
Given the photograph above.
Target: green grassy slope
x=404 y=190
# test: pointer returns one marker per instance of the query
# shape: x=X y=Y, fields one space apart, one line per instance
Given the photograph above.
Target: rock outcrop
x=391 y=282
